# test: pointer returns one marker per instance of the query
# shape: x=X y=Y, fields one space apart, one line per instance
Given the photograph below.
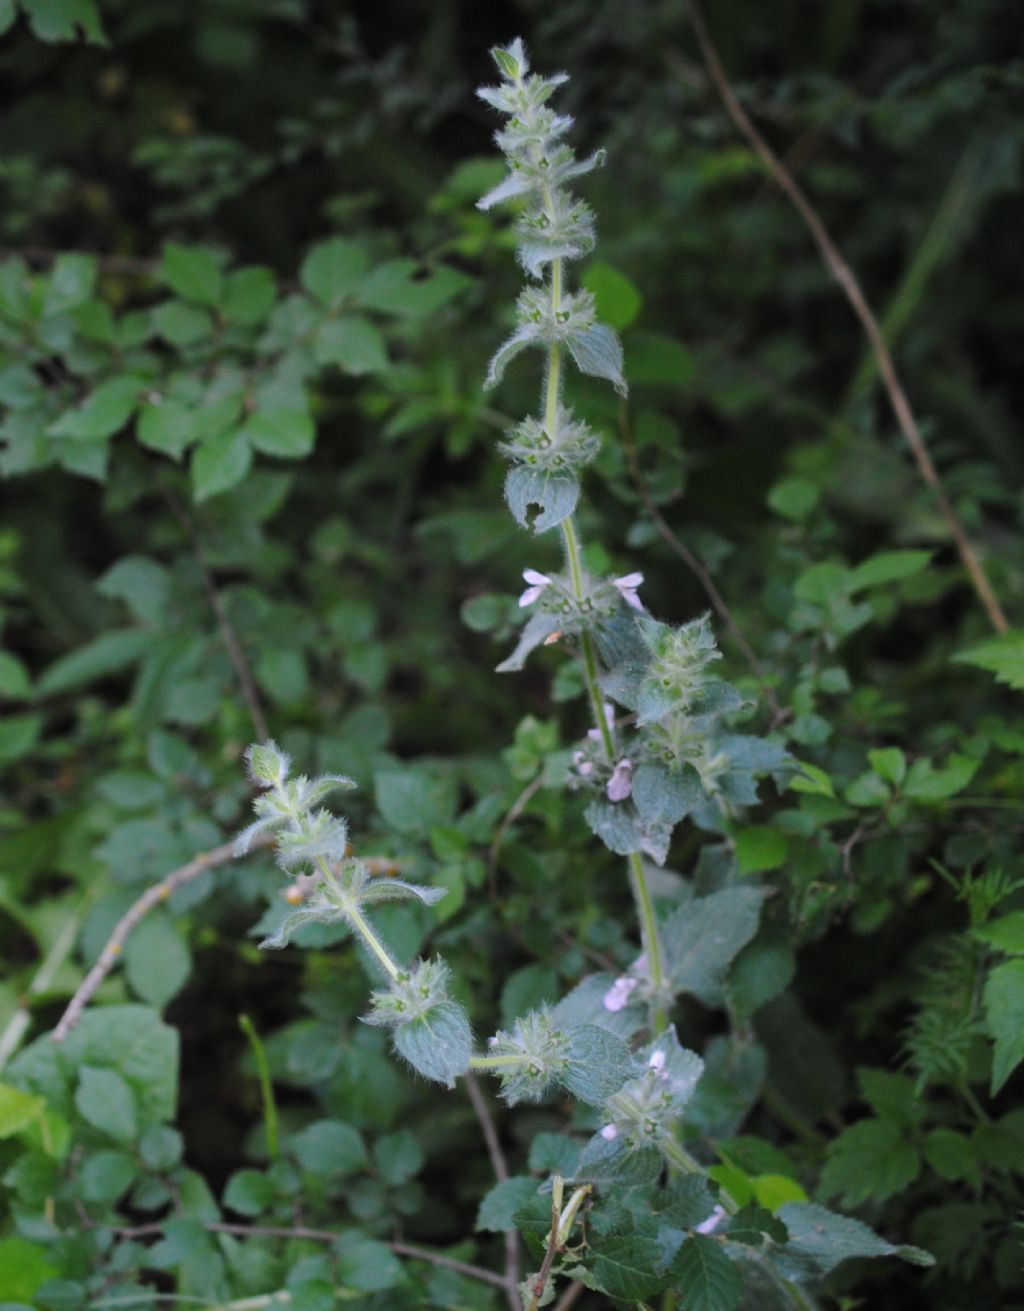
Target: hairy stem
x=649 y=936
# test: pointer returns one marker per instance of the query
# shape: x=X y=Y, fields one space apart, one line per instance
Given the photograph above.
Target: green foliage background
x=246 y=306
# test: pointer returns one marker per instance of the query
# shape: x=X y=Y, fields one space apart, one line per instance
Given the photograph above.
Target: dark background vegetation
x=263 y=126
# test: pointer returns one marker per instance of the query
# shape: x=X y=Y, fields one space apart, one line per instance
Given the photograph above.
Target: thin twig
x=153 y=896
x=693 y=563
x=323 y=1236
x=844 y=275
x=513 y=813
x=234 y=648
x=500 y=1167
x=570 y=1297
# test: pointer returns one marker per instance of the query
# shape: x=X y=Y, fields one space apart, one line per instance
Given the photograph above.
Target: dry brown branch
x=112 y=952
x=500 y=1167
x=844 y=275
x=570 y=1297
x=323 y=1236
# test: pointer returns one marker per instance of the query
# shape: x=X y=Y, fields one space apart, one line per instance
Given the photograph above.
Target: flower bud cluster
x=575 y=314
x=410 y=996
x=290 y=807
x=680 y=657
x=541 y=1056
x=571 y=446
x=681 y=740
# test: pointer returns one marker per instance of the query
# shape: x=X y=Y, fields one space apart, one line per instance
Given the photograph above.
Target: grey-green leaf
x=438 y=1045
x=555 y=495
x=599 y=1064
x=597 y=351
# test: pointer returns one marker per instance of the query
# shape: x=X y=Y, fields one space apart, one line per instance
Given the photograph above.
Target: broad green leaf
x=812 y=780
x=703 y=936
x=1002 y=656
x=759 y=848
x=288 y=434
x=106 y=1101
x=616 y=297
x=24 y=1269
x=399 y=287
x=142 y=584
x=822 y=583
x=952 y=1156
x=398 y=1157
x=364 y=1265
x=888 y=567
x=1004 y=1012
x=168 y=427
x=819 y=1240
x=931 y=786
x=774 y=1190
x=17 y=1109
x=249 y=1192
x=103 y=412
x=181 y=324
x=503 y=1201
x=329 y=1147
x=889 y=763
x=106 y=1176
x=871 y=1159
x=438 y=1045
x=66 y=20
x=599 y=1064
x=704 y=1277
x=352 y=343
x=794 y=498
x=413 y=800
x=157 y=959
x=220 y=464
x=659 y=361
x=628 y=1266
x=18 y=735
x=540 y=500
x=1005 y=933
x=72 y=281
x=249 y=295
x=194 y=272
x=554 y=1153
x=105 y=655
x=332 y=270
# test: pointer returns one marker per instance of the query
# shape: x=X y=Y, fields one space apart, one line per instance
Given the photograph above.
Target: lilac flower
x=610 y=1132
x=537 y=583
x=617 y=996
x=620 y=785
x=595 y=734
x=627 y=586
x=657 y=1061
x=712 y=1222
x=582 y=764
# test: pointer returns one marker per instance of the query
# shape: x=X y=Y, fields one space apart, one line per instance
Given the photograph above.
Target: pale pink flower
x=657 y=1061
x=620 y=785
x=582 y=764
x=626 y=586
x=617 y=996
x=595 y=734
x=610 y=1132
x=712 y=1222
x=537 y=583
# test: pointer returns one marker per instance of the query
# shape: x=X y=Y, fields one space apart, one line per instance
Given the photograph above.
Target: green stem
x=259 y=1055
x=359 y=923
x=649 y=936
x=494 y=1062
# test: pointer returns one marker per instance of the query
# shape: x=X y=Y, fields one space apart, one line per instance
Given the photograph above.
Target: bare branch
x=500 y=1166
x=844 y=275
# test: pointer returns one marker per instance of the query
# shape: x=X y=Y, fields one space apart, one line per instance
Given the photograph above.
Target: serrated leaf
x=751 y=1225
x=332 y=269
x=704 y=1277
x=613 y=1162
x=819 y=1240
x=1005 y=933
x=597 y=352
x=439 y=1045
x=1002 y=656
x=106 y=1101
x=599 y=1064
x=554 y=494
x=502 y=1202
x=220 y=464
x=871 y=1159
x=353 y=343
x=1004 y=1012
x=193 y=272
x=628 y=1266
x=704 y=935
x=287 y=434
x=103 y=656
x=888 y=567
